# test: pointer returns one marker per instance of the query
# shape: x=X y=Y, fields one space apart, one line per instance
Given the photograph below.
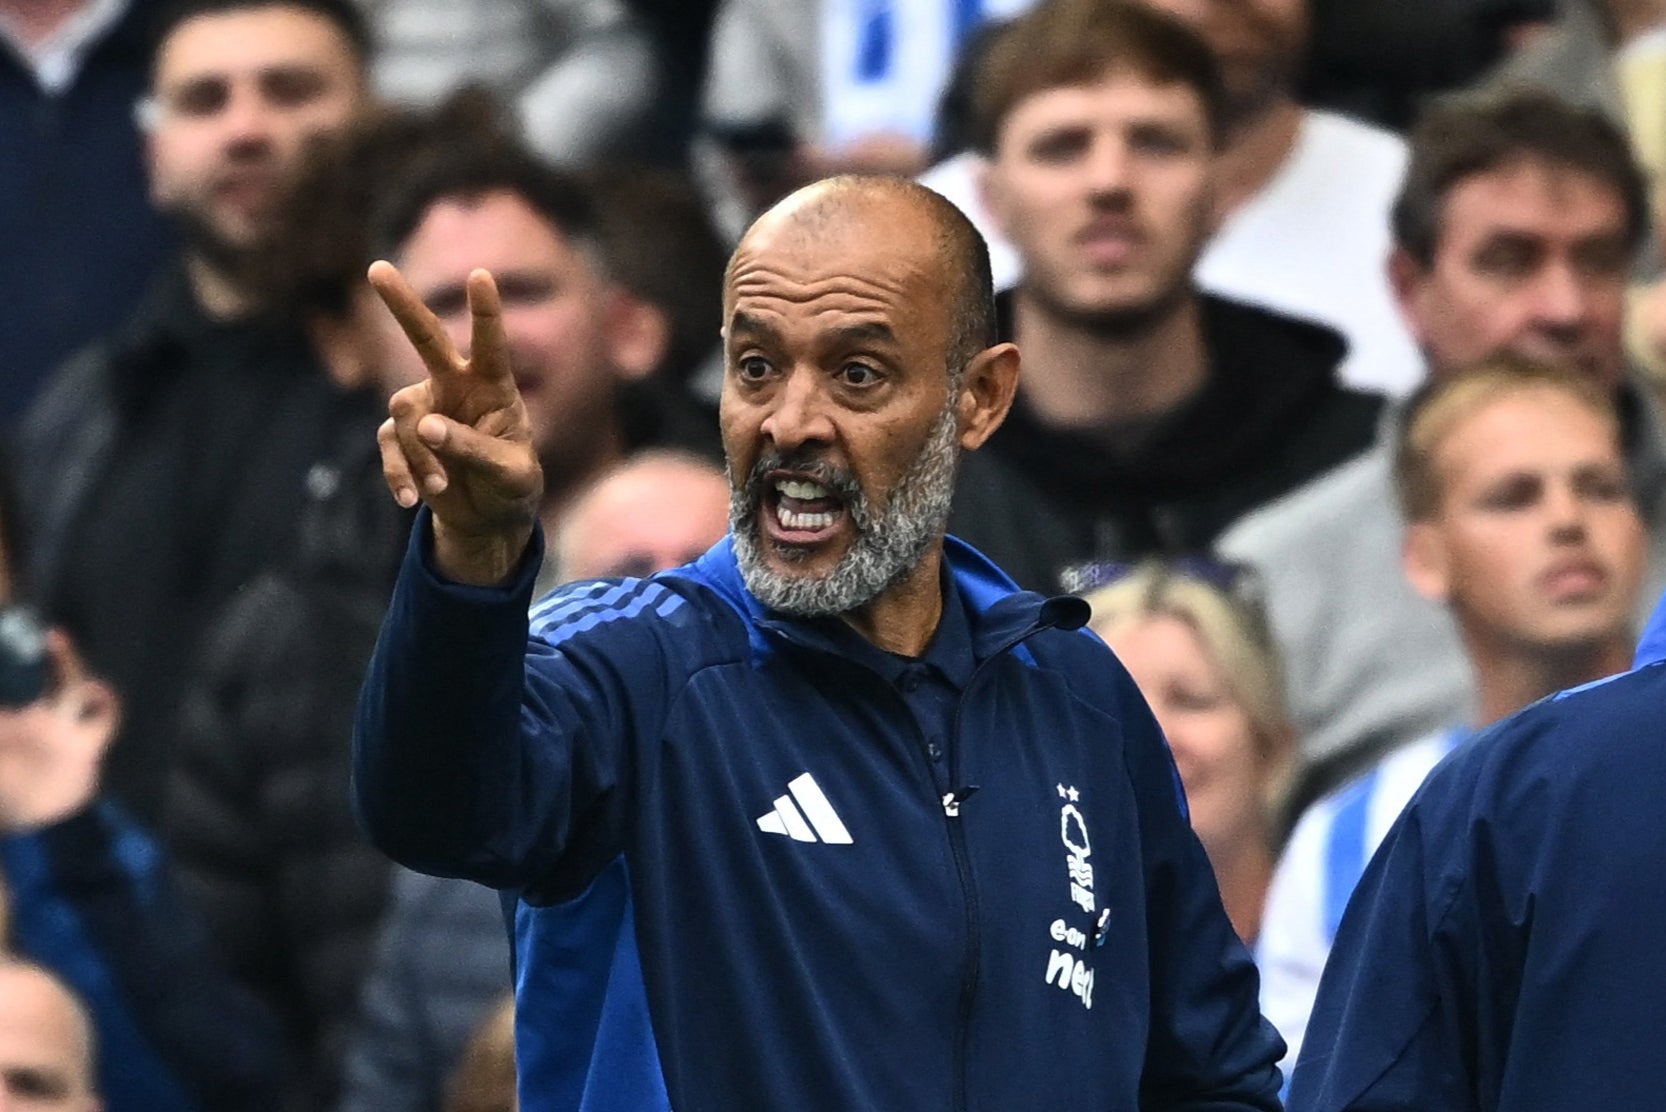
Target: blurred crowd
x=1344 y=347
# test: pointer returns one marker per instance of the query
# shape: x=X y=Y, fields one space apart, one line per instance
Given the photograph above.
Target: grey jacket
x=441 y=964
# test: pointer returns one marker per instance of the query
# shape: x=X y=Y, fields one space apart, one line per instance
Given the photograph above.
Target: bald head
x=891 y=209
x=656 y=510
x=46 y=1041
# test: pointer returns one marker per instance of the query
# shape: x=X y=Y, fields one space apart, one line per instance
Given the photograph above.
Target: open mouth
x=801 y=511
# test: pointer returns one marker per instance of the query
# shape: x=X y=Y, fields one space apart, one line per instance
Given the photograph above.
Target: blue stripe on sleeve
x=561 y=618
x=664 y=601
x=571 y=598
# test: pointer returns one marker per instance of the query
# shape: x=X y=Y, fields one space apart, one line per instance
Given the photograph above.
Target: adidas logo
x=816 y=821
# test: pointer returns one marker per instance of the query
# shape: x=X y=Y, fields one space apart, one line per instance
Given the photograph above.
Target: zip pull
x=953 y=800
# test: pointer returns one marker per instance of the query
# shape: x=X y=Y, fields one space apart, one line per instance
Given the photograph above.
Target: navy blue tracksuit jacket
x=760 y=865
x=1506 y=949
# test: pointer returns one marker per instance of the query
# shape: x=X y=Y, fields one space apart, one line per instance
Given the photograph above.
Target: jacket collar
x=1651 y=647
x=998 y=614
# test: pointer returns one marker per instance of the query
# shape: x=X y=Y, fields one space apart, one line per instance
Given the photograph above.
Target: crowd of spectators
x=1310 y=294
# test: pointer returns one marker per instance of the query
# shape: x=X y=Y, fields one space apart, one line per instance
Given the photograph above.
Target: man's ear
x=638 y=335
x=1423 y=559
x=987 y=182
x=986 y=392
x=1406 y=277
x=153 y=190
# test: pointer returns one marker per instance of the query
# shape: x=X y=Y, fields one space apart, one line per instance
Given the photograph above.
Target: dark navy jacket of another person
x=1504 y=950
x=794 y=894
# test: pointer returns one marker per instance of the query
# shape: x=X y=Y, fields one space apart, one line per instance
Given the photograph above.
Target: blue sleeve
x=1385 y=1033
x=1209 y=1049
x=488 y=751
x=91 y=901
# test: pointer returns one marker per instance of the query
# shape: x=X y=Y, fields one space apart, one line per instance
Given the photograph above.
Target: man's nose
x=248 y=117
x=1565 y=510
x=798 y=412
x=1107 y=168
x=1561 y=300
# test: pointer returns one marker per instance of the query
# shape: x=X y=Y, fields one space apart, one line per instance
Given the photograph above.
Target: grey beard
x=888 y=544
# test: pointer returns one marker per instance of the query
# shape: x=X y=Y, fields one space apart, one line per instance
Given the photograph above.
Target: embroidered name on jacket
x=1067 y=963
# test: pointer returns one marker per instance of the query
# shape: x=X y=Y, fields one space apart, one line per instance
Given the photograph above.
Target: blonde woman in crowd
x=1198 y=648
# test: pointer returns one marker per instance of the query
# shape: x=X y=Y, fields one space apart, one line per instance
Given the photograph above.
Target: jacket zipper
x=957 y=794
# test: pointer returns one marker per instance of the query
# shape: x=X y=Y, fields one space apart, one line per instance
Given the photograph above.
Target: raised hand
x=52 y=749
x=460 y=440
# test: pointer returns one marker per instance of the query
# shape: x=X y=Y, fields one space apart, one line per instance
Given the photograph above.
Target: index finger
x=67 y=667
x=488 y=346
x=417 y=321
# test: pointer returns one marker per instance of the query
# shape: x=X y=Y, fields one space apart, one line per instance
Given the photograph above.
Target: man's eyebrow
x=748 y=324
x=445 y=298
x=862 y=332
x=36 y=1081
x=874 y=331
x=194 y=83
x=306 y=66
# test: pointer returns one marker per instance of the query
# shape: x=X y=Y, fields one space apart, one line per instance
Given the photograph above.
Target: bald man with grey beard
x=835 y=778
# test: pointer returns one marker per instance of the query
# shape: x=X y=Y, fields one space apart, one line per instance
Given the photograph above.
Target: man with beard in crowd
x=165 y=467
x=837 y=777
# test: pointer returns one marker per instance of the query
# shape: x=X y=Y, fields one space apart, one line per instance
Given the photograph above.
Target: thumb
x=432 y=429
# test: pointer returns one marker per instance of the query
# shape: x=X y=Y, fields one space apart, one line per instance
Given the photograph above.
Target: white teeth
x=792 y=520
x=801 y=489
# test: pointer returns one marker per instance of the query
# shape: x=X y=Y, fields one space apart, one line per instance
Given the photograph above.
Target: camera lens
x=25 y=668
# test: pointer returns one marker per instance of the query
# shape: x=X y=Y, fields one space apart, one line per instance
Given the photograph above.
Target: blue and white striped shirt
x=1321 y=865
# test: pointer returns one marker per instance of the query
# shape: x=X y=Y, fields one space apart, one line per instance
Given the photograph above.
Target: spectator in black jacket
x=162 y=469
x=257 y=810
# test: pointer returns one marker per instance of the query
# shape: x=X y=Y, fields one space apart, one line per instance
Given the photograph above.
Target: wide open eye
x=859 y=374
x=752 y=368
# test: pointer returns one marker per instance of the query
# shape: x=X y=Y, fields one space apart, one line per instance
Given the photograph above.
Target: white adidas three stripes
x=817 y=821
